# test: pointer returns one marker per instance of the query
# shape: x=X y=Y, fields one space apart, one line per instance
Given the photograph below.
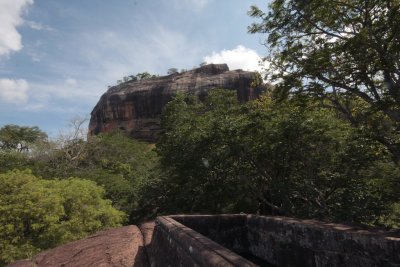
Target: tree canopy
x=172 y=71
x=344 y=51
x=289 y=157
x=113 y=160
x=38 y=214
x=20 y=138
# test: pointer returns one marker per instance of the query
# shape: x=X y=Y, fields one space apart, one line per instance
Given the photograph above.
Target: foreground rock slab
x=116 y=247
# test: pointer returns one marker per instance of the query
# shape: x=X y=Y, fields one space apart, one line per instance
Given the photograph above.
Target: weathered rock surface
x=136 y=106
x=117 y=247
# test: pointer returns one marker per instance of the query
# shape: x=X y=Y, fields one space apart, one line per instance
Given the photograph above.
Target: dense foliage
x=37 y=214
x=293 y=157
x=113 y=166
x=20 y=138
x=114 y=161
x=346 y=52
x=269 y=157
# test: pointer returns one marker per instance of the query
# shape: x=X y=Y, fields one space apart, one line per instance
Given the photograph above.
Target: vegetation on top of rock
x=172 y=70
x=138 y=77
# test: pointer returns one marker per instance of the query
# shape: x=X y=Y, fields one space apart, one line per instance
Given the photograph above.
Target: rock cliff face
x=136 y=106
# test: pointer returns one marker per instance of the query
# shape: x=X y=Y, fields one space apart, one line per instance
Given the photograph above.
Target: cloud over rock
x=237 y=58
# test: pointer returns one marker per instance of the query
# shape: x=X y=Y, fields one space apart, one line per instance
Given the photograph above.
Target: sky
x=57 y=57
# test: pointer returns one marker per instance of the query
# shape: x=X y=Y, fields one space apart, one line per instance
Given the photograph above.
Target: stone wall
x=281 y=241
x=228 y=230
x=174 y=244
x=292 y=242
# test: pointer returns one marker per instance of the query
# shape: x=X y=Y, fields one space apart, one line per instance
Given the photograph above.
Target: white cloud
x=237 y=58
x=38 y=26
x=14 y=91
x=61 y=91
x=113 y=55
x=71 y=82
x=107 y=59
x=10 y=18
x=34 y=107
x=196 y=3
x=189 y=4
x=35 y=50
x=104 y=60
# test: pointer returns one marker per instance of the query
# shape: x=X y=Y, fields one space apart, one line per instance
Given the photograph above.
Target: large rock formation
x=136 y=106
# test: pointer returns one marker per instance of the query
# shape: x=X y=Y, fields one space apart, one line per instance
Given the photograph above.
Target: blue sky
x=57 y=57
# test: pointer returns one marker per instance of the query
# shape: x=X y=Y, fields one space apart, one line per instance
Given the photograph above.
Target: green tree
x=185 y=183
x=172 y=71
x=113 y=160
x=119 y=163
x=308 y=162
x=16 y=139
x=39 y=214
x=10 y=160
x=289 y=157
x=20 y=138
x=132 y=78
x=343 y=51
x=145 y=76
